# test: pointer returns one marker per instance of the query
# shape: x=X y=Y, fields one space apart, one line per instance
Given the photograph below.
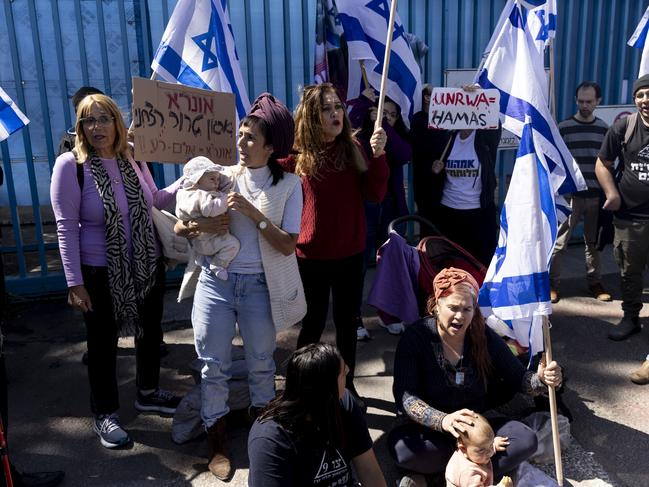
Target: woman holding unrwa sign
x=464 y=184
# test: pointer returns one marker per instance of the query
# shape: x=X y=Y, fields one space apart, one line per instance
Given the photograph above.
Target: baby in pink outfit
x=204 y=193
x=470 y=465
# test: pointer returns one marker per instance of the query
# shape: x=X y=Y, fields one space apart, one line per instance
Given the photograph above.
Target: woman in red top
x=337 y=177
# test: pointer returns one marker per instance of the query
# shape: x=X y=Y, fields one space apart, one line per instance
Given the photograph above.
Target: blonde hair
x=82 y=145
x=309 y=140
x=480 y=430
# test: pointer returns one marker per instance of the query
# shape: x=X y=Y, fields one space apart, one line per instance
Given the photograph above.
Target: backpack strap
x=80 y=177
x=631 y=122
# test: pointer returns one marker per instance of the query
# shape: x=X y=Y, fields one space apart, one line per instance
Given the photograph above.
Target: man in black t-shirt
x=628 y=197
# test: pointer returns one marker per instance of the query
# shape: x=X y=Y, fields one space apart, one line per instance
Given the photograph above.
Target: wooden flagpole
x=386 y=64
x=366 y=82
x=552 y=396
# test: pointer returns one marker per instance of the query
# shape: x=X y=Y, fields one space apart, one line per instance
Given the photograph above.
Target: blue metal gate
x=55 y=46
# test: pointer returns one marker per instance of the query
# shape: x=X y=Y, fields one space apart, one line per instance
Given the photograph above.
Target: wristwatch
x=262 y=225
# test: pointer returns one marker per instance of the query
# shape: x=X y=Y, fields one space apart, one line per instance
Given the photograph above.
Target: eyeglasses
x=90 y=122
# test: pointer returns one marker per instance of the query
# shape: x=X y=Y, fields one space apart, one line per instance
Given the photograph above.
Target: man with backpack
x=627 y=194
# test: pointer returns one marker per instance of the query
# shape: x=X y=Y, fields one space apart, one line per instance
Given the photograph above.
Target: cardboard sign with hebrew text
x=173 y=123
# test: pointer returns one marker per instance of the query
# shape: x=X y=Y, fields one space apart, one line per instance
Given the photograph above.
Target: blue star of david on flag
x=198 y=49
x=205 y=43
x=382 y=8
x=546 y=27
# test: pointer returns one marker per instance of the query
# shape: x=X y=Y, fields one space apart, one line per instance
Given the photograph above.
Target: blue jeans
x=218 y=306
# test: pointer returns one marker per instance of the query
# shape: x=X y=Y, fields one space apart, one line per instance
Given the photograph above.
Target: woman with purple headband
x=263 y=292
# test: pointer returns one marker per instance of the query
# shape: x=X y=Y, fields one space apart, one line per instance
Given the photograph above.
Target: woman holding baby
x=262 y=292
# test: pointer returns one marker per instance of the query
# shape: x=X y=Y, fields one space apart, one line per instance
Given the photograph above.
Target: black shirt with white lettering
x=278 y=459
x=634 y=183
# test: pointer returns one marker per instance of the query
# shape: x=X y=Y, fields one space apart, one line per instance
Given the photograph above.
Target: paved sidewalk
x=50 y=425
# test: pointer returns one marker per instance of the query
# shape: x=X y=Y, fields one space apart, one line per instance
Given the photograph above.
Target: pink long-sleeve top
x=80 y=218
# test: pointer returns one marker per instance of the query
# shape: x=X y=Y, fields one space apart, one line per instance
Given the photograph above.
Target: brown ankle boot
x=219 y=465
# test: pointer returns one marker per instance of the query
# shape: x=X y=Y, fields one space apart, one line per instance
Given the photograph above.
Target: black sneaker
x=625 y=328
x=159 y=401
x=110 y=432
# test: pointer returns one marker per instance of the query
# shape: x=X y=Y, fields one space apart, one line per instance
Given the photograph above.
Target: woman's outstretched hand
x=456 y=422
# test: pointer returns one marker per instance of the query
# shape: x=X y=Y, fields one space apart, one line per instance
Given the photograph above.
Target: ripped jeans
x=218 y=306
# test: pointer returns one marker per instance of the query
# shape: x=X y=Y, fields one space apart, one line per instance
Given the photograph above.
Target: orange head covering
x=447 y=278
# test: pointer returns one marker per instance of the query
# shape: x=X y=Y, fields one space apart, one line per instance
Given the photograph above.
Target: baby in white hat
x=204 y=193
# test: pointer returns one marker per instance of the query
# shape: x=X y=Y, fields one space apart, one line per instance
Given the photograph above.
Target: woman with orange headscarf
x=449 y=366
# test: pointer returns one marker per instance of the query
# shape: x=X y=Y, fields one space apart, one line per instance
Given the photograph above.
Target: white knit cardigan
x=287 y=301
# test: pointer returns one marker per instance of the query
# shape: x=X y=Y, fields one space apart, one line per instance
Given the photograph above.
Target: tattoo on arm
x=422 y=413
x=532 y=384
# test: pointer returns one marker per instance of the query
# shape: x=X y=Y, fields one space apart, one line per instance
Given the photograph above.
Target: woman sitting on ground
x=313 y=431
x=449 y=366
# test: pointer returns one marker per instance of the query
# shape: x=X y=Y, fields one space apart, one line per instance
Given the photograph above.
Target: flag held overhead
x=639 y=41
x=514 y=65
x=365 y=25
x=197 y=49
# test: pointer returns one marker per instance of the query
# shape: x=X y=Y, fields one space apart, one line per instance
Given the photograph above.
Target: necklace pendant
x=459 y=378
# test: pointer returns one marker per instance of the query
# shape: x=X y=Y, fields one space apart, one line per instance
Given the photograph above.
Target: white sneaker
x=362 y=334
x=109 y=430
x=393 y=328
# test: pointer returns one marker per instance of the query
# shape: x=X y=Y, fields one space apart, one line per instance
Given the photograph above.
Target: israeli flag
x=365 y=24
x=11 y=118
x=514 y=65
x=197 y=49
x=515 y=294
x=327 y=32
x=516 y=291
x=639 y=40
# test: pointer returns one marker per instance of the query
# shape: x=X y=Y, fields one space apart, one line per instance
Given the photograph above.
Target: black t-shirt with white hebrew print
x=277 y=460
x=634 y=184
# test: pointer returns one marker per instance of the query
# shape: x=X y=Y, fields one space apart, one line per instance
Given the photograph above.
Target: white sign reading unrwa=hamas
x=454 y=109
